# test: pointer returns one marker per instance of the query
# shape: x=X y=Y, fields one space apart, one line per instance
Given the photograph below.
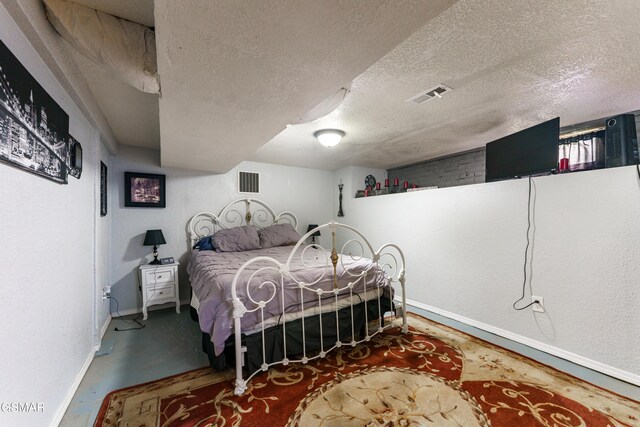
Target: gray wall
x=458 y=169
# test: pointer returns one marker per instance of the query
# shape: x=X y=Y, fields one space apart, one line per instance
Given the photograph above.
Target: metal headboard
x=239 y=212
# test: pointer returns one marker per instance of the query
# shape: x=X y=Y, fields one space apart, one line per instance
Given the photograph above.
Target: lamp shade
x=154 y=237
x=311 y=227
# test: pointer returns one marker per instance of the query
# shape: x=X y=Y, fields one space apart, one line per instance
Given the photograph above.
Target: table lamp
x=155 y=238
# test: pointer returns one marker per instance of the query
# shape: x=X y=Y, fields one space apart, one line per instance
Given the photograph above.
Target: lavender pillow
x=278 y=235
x=237 y=239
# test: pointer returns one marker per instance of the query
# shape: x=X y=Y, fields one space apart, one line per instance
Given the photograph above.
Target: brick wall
x=457 y=169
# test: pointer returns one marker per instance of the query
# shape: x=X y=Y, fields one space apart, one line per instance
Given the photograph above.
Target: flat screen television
x=529 y=152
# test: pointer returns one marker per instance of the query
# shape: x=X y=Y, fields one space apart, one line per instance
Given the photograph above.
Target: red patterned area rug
x=432 y=376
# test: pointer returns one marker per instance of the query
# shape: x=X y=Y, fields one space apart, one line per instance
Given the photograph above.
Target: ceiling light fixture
x=329 y=137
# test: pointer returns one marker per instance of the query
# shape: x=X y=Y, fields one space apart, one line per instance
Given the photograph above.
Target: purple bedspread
x=211 y=274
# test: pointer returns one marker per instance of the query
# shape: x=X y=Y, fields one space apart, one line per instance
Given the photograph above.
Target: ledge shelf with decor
x=375 y=188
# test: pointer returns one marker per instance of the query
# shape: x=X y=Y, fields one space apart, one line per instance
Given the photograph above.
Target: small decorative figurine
x=340 y=213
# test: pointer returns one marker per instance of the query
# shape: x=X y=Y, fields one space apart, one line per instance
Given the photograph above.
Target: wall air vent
x=426 y=95
x=248 y=182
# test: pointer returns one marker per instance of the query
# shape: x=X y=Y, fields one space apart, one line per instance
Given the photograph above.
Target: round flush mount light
x=329 y=137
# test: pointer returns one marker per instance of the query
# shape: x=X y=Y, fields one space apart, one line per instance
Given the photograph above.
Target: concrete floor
x=170 y=344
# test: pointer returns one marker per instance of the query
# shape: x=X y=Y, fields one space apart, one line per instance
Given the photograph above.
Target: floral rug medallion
x=389 y=397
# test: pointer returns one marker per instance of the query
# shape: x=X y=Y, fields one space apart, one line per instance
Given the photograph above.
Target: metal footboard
x=386 y=270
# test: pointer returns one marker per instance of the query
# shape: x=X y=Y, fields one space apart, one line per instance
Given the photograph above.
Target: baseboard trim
x=555 y=351
x=104 y=328
x=72 y=390
x=152 y=308
x=76 y=383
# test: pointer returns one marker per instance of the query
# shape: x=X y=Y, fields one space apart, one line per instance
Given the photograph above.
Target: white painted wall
x=352 y=179
x=47 y=255
x=306 y=192
x=102 y=245
x=465 y=252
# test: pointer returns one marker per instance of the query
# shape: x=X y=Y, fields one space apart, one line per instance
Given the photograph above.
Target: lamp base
x=155 y=256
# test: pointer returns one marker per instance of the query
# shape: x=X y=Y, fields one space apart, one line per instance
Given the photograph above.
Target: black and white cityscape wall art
x=34 y=129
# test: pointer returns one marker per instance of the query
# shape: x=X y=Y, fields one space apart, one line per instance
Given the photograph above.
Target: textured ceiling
x=235 y=73
x=511 y=64
x=140 y=11
x=132 y=114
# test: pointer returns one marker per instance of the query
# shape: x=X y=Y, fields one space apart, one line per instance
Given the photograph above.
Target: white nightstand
x=159 y=285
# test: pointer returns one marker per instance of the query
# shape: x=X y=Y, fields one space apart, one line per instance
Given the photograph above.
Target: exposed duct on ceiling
x=126 y=47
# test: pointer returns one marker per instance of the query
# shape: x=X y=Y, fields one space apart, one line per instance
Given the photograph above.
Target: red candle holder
x=564 y=164
x=377 y=185
x=386 y=182
x=406 y=185
x=396 y=182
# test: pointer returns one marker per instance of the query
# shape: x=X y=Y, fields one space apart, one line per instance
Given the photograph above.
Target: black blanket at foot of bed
x=274 y=348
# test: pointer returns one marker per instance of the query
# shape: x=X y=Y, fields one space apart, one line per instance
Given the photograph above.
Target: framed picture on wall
x=144 y=190
x=103 y=189
x=75 y=158
x=33 y=127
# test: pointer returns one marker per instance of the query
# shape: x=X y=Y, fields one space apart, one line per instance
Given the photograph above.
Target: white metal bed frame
x=388 y=260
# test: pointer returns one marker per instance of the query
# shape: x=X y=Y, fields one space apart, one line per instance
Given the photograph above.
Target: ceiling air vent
x=248 y=182
x=426 y=95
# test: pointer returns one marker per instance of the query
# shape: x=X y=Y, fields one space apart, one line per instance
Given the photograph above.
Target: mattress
x=211 y=274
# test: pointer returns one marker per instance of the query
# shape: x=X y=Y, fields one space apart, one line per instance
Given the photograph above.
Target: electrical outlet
x=538 y=306
x=106 y=293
